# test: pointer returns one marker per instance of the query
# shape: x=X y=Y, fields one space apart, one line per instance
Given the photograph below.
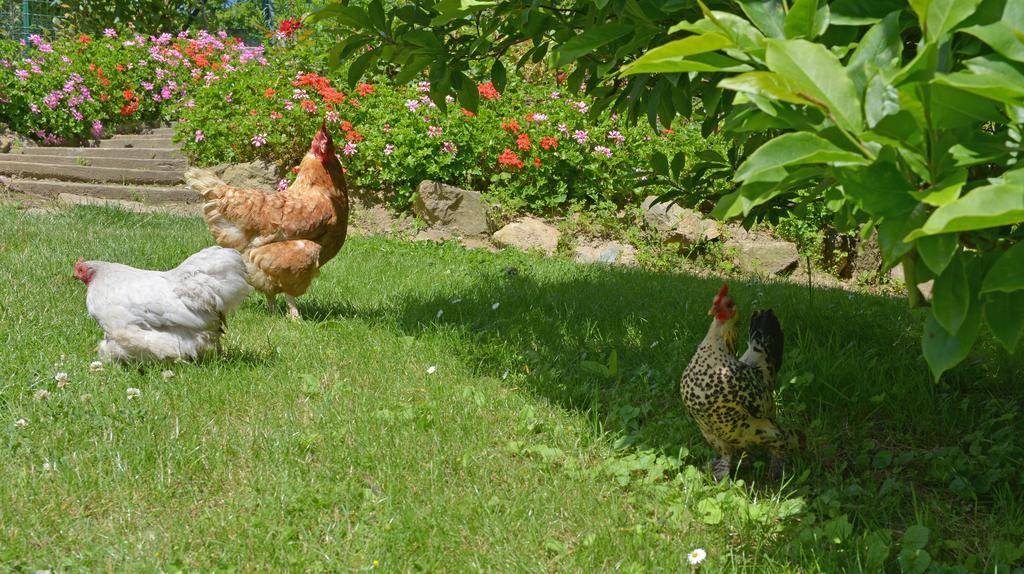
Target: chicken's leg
x=271 y=302
x=293 y=311
x=720 y=467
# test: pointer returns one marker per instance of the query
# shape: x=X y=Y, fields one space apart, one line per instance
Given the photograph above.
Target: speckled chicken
x=732 y=400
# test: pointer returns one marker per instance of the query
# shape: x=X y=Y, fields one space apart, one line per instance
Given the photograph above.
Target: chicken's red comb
x=723 y=291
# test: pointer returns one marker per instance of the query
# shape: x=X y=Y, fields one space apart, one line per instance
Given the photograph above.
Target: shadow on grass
x=852 y=378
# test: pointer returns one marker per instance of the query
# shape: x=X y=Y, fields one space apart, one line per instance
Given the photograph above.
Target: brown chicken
x=284 y=237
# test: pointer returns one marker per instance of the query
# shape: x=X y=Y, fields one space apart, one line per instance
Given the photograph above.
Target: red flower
x=120 y=67
x=105 y=82
x=253 y=112
x=269 y=93
x=346 y=126
x=104 y=97
x=289 y=27
x=331 y=95
x=488 y=92
x=468 y=113
x=84 y=38
x=128 y=95
x=354 y=136
x=523 y=141
x=308 y=105
x=92 y=67
x=364 y=90
x=536 y=162
x=512 y=126
x=548 y=142
x=510 y=159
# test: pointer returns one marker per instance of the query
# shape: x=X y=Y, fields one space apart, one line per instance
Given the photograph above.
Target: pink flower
x=449 y=147
x=617 y=136
x=537 y=117
x=555 y=95
x=563 y=128
x=434 y=131
x=333 y=117
x=423 y=86
x=259 y=140
x=349 y=149
x=288 y=105
x=386 y=128
x=580 y=135
x=603 y=150
x=199 y=135
x=581 y=107
x=282 y=185
x=389 y=149
x=275 y=115
x=110 y=33
x=97 y=129
x=21 y=74
x=227 y=98
x=413 y=105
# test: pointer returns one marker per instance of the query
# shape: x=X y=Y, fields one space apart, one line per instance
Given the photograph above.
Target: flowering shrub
x=529 y=148
x=77 y=87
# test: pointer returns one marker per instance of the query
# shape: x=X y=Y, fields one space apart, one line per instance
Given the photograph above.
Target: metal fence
x=20 y=18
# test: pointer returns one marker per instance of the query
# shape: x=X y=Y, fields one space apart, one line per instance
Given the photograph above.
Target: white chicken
x=164 y=315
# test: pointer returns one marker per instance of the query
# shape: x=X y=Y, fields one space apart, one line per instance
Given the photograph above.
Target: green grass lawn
x=551 y=436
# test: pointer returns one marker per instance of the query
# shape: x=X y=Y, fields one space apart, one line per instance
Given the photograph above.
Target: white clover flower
x=696 y=556
x=42 y=395
x=62 y=380
x=439 y=313
x=432 y=369
x=20 y=423
x=47 y=466
x=133 y=393
x=495 y=306
x=167 y=375
x=96 y=366
x=85 y=398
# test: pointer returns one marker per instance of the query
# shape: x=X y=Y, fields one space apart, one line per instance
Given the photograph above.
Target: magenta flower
x=97 y=129
x=199 y=135
x=21 y=74
x=110 y=33
x=282 y=185
x=603 y=150
x=34 y=108
x=449 y=147
x=555 y=95
x=333 y=117
x=582 y=107
x=563 y=128
x=617 y=136
x=386 y=128
x=259 y=140
x=413 y=105
x=580 y=136
x=389 y=149
x=434 y=131
x=349 y=149
x=423 y=86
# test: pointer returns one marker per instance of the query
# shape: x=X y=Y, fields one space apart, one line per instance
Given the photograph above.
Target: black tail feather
x=766 y=333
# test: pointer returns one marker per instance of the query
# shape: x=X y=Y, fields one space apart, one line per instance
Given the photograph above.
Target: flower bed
x=530 y=148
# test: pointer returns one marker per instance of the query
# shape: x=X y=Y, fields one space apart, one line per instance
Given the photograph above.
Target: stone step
x=165 y=132
x=138 y=142
x=133 y=206
x=140 y=193
x=90 y=173
x=111 y=162
x=91 y=152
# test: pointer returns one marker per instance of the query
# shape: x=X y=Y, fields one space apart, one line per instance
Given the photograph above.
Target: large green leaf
x=769 y=161
x=738 y=30
x=937 y=250
x=937 y=17
x=1007 y=273
x=1005 y=318
x=673 y=56
x=817 y=72
x=951 y=296
x=989 y=206
x=881 y=100
x=767 y=15
x=944 y=191
x=452 y=9
x=878 y=49
x=891 y=234
x=767 y=84
x=1002 y=37
x=944 y=350
x=879 y=189
x=589 y=41
x=862 y=12
x=989 y=76
x=806 y=20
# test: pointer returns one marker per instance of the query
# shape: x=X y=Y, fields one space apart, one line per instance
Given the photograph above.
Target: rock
x=758 y=253
x=900 y=278
x=13 y=141
x=133 y=206
x=458 y=211
x=478 y=243
x=661 y=216
x=436 y=235
x=611 y=252
x=528 y=233
x=252 y=175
